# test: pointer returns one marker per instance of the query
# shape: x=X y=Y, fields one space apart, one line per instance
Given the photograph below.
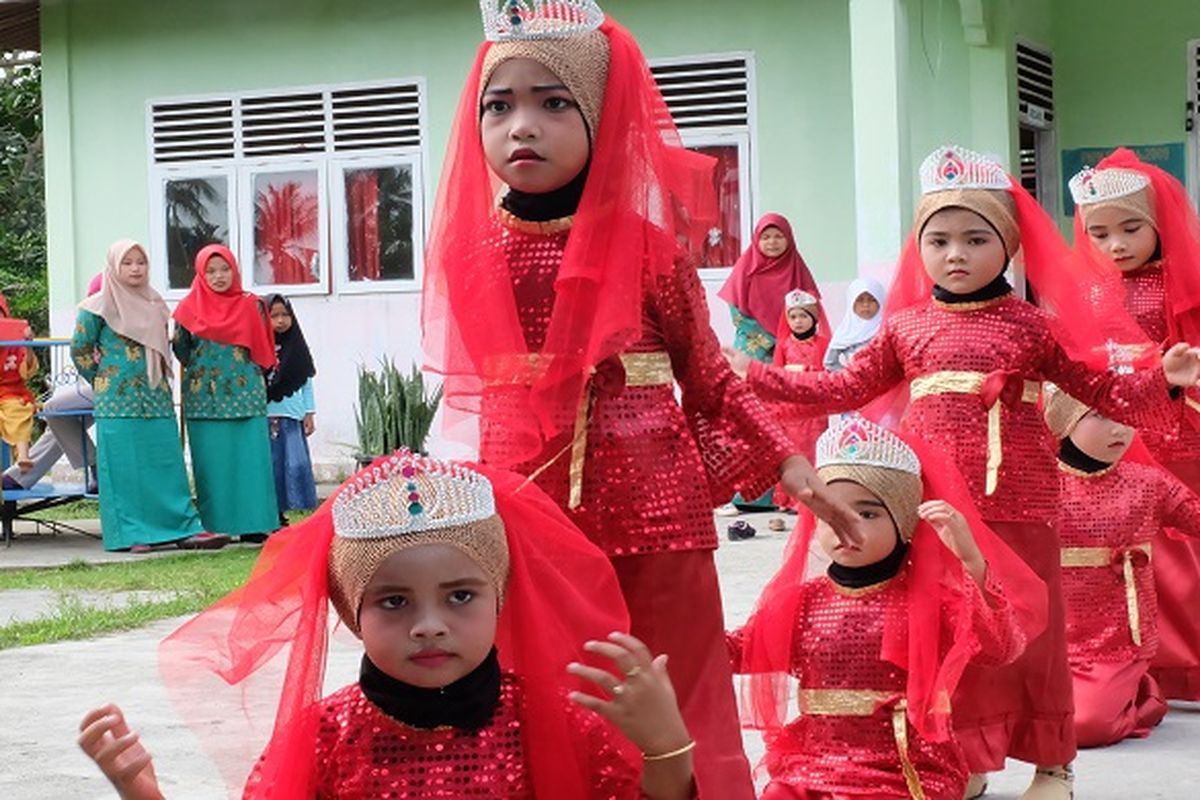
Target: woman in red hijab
x=224 y=341
x=769 y=269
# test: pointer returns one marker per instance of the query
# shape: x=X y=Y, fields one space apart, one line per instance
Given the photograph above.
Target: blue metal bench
x=20 y=503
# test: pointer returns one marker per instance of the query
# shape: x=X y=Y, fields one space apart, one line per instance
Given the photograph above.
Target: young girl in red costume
x=1141 y=221
x=972 y=357
x=473 y=596
x=1113 y=507
x=878 y=644
x=563 y=314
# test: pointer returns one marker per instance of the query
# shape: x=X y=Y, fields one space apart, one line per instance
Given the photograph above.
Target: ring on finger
x=618 y=690
x=631 y=673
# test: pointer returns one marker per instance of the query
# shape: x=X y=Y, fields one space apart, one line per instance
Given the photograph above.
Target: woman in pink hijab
x=769 y=269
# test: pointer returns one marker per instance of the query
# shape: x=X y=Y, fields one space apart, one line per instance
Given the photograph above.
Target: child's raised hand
x=955 y=533
x=739 y=362
x=643 y=705
x=1181 y=365
x=800 y=480
x=107 y=740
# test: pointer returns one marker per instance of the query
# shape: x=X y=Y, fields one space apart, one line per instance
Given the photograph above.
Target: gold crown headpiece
x=797 y=298
x=507 y=20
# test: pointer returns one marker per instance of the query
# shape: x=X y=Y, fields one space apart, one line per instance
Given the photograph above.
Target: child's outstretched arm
x=643 y=706
x=107 y=740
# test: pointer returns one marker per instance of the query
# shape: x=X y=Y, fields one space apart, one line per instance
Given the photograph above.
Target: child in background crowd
x=291 y=410
x=860 y=322
x=17 y=403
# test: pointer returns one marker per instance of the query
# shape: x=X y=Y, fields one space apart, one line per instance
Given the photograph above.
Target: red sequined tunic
x=838 y=637
x=363 y=754
x=1146 y=301
x=1007 y=339
x=800 y=356
x=644 y=488
x=1121 y=509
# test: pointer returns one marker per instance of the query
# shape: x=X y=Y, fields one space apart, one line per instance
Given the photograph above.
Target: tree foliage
x=23 y=276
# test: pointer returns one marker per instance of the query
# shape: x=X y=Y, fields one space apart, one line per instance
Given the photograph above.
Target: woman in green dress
x=224 y=340
x=120 y=346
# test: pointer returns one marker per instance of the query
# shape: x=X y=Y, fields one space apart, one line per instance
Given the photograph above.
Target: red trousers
x=1115 y=701
x=1176 y=665
x=1022 y=710
x=675 y=607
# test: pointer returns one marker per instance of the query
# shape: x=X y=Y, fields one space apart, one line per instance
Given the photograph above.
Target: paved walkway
x=47 y=689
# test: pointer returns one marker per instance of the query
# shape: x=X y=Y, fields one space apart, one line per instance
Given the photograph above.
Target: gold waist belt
x=641 y=369
x=1104 y=557
x=864 y=703
x=962 y=382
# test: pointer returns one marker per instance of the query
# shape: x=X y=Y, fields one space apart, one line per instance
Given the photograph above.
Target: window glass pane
x=287 y=228
x=197 y=213
x=379 y=223
x=724 y=242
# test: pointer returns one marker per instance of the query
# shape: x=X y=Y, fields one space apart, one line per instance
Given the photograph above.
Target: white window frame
x=1193 y=97
x=339 y=216
x=272 y=166
x=746 y=138
x=718 y=137
x=191 y=170
x=237 y=167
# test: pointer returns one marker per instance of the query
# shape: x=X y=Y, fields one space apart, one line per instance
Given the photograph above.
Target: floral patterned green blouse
x=119 y=379
x=219 y=380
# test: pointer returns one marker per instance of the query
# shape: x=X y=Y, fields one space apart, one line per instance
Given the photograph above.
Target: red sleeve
x=1140 y=399
x=874 y=369
x=741 y=444
x=993 y=622
x=1180 y=507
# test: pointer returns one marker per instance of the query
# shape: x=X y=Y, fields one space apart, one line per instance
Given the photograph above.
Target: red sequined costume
x=645 y=498
x=1110 y=527
x=1176 y=561
x=837 y=748
x=960 y=361
x=800 y=356
x=363 y=754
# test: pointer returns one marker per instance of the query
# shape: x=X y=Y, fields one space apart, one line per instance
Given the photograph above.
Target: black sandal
x=740 y=530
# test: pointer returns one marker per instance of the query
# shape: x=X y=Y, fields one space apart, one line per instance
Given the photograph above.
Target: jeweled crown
x=798 y=297
x=505 y=20
x=407 y=494
x=1091 y=186
x=954 y=167
x=857 y=441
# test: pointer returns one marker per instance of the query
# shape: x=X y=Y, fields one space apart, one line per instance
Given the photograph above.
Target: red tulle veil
x=251 y=667
x=647 y=202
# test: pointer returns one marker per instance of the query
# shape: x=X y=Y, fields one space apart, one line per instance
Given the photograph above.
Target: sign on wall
x=1170 y=157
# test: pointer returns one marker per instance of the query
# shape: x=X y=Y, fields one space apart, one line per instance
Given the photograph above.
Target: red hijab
x=757 y=285
x=233 y=316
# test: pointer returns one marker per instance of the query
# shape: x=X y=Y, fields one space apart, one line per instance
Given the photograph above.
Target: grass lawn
x=186 y=582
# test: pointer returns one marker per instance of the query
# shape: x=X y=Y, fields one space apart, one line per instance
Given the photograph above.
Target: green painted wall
x=104 y=58
x=1121 y=72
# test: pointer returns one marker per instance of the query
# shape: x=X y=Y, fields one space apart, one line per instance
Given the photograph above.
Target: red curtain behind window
x=287 y=220
x=723 y=250
x=362 y=203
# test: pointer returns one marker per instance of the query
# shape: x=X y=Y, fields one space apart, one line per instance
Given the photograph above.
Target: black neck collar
x=466 y=704
x=871 y=574
x=557 y=204
x=808 y=334
x=1072 y=456
x=997 y=288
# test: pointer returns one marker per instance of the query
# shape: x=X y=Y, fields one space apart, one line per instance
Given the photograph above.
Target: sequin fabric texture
x=362 y=754
x=1123 y=509
x=800 y=356
x=1146 y=301
x=653 y=470
x=1006 y=337
x=838 y=637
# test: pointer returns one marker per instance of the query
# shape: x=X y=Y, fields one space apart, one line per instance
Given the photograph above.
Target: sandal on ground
x=740 y=531
x=727 y=510
x=776 y=524
x=204 y=541
x=977 y=786
x=252 y=538
x=1053 y=783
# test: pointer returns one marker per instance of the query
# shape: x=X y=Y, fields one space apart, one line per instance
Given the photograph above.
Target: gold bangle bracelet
x=687 y=748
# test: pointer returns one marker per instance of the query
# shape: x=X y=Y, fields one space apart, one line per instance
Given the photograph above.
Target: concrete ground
x=48 y=688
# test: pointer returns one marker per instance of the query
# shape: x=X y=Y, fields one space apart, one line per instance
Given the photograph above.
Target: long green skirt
x=144 y=494
x=235 y=478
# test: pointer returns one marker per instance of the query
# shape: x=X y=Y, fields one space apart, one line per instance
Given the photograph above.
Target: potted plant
x=393 y=411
